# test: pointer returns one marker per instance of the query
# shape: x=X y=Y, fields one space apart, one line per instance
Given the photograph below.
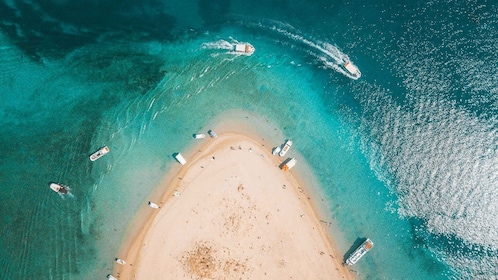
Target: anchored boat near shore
x=288 y=164
x=359 y=252
x=286 y=148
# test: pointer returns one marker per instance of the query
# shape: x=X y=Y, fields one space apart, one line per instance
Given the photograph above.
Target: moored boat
x=180 y=158
x=244 y=48
x=359 y=252
x=288 y=164
x=212 y=134
x=120 y=261
x=199 y=136
x=276 y=150
x=352 y=69
x=153 y=205
x=100 y=153
x=286 y=148
x=59 y=188
x=111 y=277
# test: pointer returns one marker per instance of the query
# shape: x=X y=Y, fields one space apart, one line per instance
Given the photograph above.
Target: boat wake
x=327 y=54
x=218 y=45
x=229 y=46
x=68 y=195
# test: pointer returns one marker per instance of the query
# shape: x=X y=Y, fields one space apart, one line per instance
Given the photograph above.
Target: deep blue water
x=405 y=155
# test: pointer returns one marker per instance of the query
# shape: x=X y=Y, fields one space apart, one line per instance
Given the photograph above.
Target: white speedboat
x=289 y=164
x=153 y=205
x=212 y=134
x=111 y=277
x=244 y=48
x=120 y=261
x=180 y=158
x=359 y=252
x=276 y=150
x=199 y=136
x=100 y=153
x=286 y=148
x=58 y=188
x=352 y=69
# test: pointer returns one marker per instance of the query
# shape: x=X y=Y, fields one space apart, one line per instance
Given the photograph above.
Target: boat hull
x=244 y=48
x=58 y=188
x=286 y=148
x=352 y=69
x=100 y=153
x=212 y=134
x=153 y=205
x=359 y=252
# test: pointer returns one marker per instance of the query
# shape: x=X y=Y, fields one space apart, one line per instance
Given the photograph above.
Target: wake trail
x=227 y=46
x=327 y=54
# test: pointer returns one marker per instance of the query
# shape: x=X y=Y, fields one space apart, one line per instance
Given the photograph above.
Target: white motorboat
x=153 y=205
x=212 y=134
x=289 y=164
x=244 y=48
x=120 y=261
x=100 y=153
x=199 y=136
x=286 y=148
x=352 y=69
x=59 y=188
x=359 y=252
x=180 y=158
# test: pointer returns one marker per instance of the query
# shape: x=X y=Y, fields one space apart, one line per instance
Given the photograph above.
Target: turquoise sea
x=405 y=155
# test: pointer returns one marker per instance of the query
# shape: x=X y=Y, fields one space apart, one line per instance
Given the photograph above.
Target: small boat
x=110 y=277
x=244 y=48
x=212 y=134
x=276 y=150
x=58 y=188
x=289 y=164
x=180 y=159
x=153 y=205
x=286 y=148
x=359 y=252
x=199 y=136
x=352 y=69
x=100 y=153
x=120 y=261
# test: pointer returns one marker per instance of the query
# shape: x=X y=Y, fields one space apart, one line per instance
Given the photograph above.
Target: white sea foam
x=218 y=45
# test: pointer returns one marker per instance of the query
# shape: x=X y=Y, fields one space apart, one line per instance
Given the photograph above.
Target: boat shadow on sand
x=357 y=243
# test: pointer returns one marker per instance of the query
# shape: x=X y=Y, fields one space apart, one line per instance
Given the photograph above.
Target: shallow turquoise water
x=405 y=155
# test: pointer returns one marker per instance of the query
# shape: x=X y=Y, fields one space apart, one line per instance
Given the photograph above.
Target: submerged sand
x=235 y=215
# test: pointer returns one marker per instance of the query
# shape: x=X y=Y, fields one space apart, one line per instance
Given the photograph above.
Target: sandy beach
x=231 y=213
